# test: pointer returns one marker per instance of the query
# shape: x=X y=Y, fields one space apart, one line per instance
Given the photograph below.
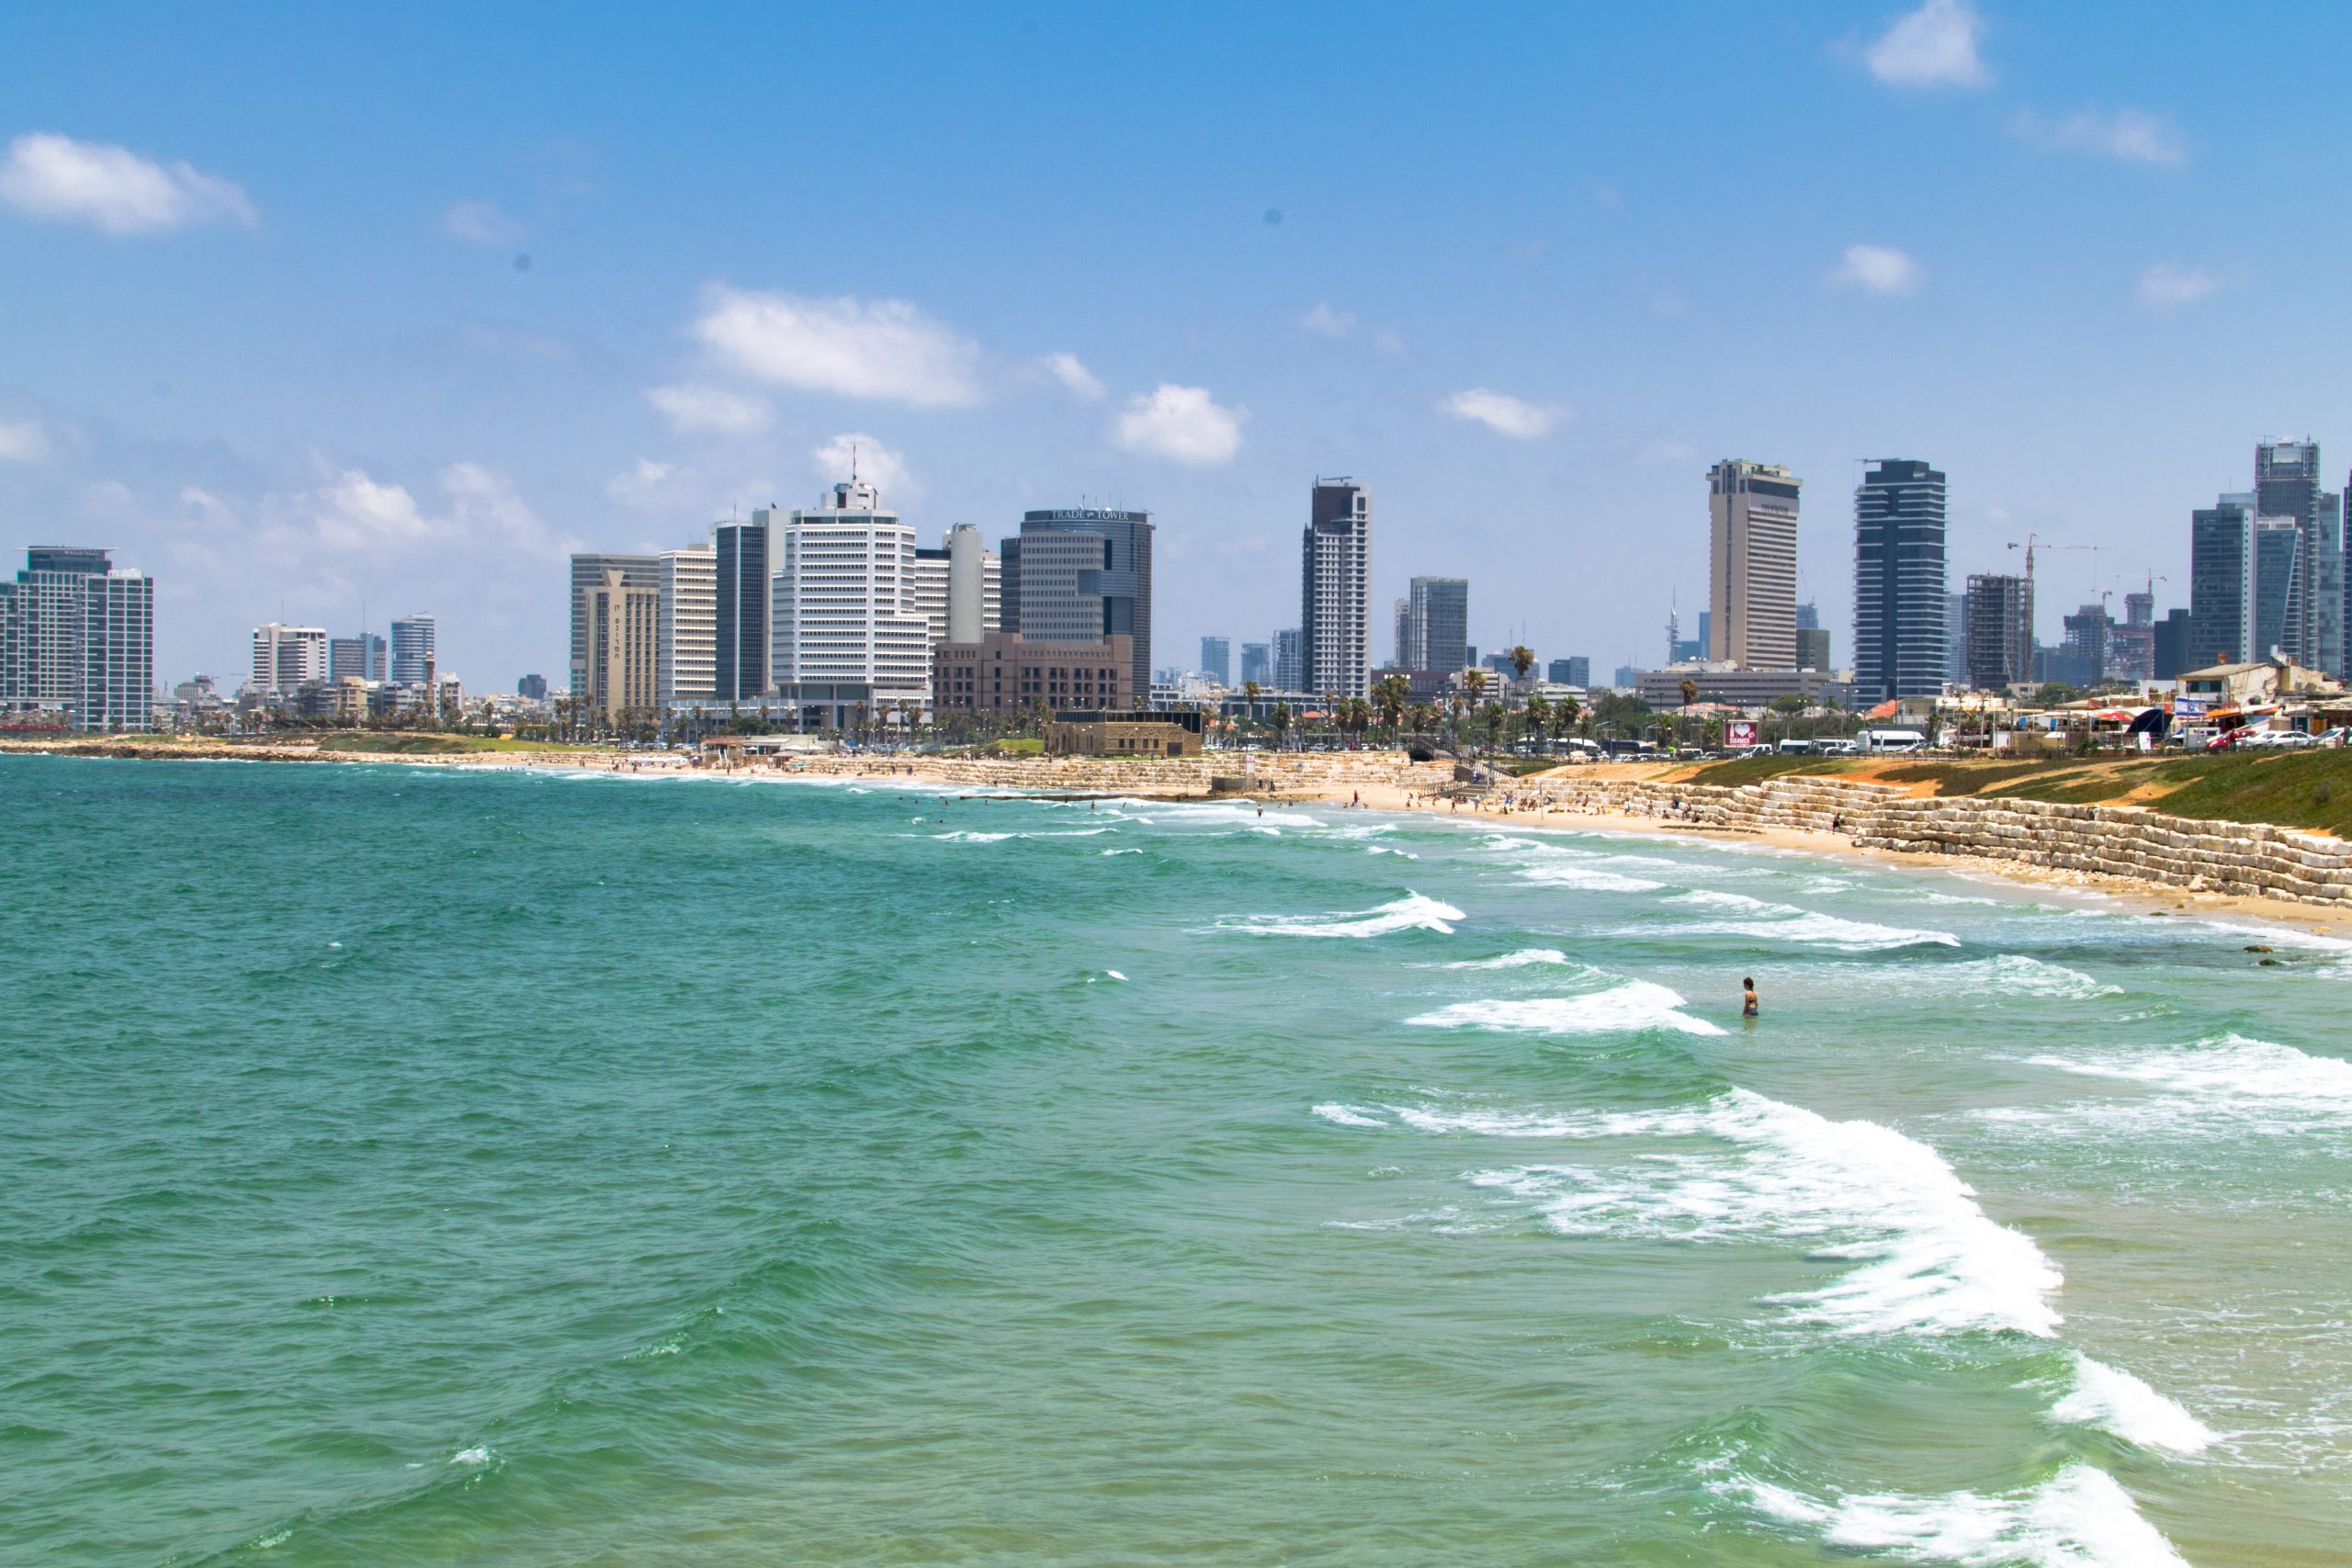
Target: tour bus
x=1889 y=742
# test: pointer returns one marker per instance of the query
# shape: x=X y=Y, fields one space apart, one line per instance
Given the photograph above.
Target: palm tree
x=1539 y=715
x=1423 y=718
x=1474 y=688
x=1392 y=692
x=1522 y=660
x=1690 y=691
x=1280 y=719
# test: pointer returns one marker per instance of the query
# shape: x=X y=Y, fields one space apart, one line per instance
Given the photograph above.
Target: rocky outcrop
x=2250 y=859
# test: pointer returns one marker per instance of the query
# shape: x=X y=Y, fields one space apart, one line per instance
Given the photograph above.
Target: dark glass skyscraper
x=1079 y=574
x=743 y=620
x=1900 y=615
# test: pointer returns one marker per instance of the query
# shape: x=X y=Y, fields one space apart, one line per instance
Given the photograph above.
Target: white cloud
x=2165 y=286
x=875 y=464
x=1183 y=424
x=1324 y=322
x=488 y=511
x=59 y=179
x=1934 y=46
x=481 y=222
x=644 y=485
x=1072 y=374
x=355 y=512
x=690 y=408
x=884 y=349
x=23 y=443
x=1879 y=269
x=1503 y=413
x=2132 y=135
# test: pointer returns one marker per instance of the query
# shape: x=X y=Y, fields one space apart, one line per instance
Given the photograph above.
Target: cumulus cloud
x=883 y=349
x=693 y=408
x=2132 y=135
x=1183 y=424
x=25 y=442
x=2167 y=286
x=58 y=179
x=353 y=511
x=1879 y=269
x=486 y=510
x=1934 y=46
x=1074 y=375
x=878 y=465
x=1503 y=413
x=482 y=223
x=1324 y=322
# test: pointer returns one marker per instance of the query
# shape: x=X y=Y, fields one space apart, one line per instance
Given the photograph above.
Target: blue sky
x=266 y=323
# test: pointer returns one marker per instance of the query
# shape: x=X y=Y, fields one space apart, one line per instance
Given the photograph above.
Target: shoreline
x=1334 y=781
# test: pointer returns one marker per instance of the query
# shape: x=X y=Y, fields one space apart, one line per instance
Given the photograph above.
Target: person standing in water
x=1748 y=1000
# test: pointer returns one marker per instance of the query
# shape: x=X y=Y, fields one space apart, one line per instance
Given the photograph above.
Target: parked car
x=2229 y=739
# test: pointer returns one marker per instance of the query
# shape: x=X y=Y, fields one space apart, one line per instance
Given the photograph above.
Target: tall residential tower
x=1335 y=590
x=1900 y=616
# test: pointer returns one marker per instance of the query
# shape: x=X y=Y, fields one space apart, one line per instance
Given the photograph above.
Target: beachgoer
x=1748 y=1000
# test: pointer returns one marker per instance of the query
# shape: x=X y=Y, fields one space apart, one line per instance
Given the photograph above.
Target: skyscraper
x=624 y=636
x=1085 y=574
x=1288 y=669
x=2275 y=580
x=1899 y=610
x=739 y=650
x=286 y=657
x=2220 y=546
x=587 y=572
x=2287 y=484
x=358 y=658
x=1216 y=659
x=685 y=660
x=413 y=650
x=1437 y=621
x=1812 y=647
x=1335 y=590
x=846 y=638
x=1751 y=614
x=1574 y=670
x=77 y=639
x=1258 y=663
x=2000 y=632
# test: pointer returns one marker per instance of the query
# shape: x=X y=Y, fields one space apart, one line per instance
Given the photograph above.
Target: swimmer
x=1748 y=1000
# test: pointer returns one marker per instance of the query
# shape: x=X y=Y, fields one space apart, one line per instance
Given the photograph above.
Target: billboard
x=1739 y=734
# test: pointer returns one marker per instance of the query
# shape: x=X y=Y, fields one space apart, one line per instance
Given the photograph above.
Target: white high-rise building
x=1335 y=591
x=688 y=658
x=846 y=641
x=975 y=585
x=285 y=657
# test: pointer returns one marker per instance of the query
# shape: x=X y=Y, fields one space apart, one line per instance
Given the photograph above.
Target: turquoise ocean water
x=407 y=1165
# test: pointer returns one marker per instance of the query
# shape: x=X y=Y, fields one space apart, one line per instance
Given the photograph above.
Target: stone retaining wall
x=2251 y=858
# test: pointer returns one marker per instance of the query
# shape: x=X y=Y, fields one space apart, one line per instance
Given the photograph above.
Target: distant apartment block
x=1216 y=659
x=686 y=625
x=1085 y=574
x=77 y=639
x=1258 y=663
x=1574 y=670
x=1335 y=590
x=2000 y=632
x=1436 y=633
x=358 y=658
x=285 y=658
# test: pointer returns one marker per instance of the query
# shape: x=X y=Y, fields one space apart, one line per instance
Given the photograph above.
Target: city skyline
x=426 y=350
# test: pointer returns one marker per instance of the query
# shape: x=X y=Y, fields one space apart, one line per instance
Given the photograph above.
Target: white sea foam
x=961 y=835
x=1557 y=865
x=1412 y=912
x=2283 y=936
x=2008 y=975
x=2115 y=1401
x=1122 y=851
x=1786 y=922
x=1928 y=1259
x=478 y=1455
x=1349 y=1116
x=1519 y=960
x=1630 y=1005
x=2232 y=1073
x=2078 y=1519
x=1115 y=975
x=1187 y=814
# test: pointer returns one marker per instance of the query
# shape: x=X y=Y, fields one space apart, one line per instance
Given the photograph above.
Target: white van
x=1886 y=742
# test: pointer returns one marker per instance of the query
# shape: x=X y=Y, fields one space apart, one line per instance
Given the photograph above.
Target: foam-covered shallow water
x=411 y=1165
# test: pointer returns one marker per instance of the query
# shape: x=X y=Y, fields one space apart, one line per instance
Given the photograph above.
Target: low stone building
x=1135 y=732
